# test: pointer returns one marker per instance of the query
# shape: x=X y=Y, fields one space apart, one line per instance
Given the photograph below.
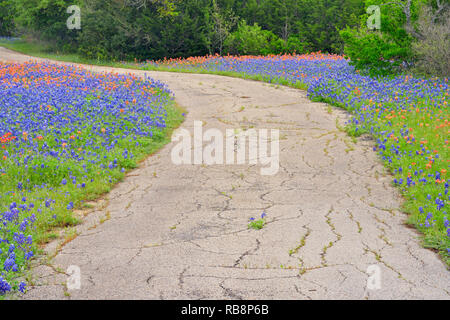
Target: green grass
x=40 y=50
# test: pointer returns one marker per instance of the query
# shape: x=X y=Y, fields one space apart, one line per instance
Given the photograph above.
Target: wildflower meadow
x=67 y=135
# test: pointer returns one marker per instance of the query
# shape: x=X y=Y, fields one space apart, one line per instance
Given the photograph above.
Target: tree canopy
x=156 y=29
x=123 y=29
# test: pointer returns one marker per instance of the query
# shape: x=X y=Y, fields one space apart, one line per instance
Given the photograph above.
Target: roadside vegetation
x=67 y=136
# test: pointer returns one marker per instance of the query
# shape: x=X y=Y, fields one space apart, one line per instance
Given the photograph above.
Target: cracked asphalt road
x=180 y=232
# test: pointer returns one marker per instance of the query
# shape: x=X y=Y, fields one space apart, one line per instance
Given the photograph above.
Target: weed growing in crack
x=258 y=224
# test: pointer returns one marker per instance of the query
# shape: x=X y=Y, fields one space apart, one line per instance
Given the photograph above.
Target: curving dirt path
x=180 y=232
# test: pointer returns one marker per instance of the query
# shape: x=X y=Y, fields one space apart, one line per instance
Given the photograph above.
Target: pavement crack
x=246 y=253
x=331 y=243
x=229 y=293
x=181 y=278
x=138 y=253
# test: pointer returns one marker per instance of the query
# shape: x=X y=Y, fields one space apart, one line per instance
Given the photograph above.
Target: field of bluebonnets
x=66 y=136
x=407 y=116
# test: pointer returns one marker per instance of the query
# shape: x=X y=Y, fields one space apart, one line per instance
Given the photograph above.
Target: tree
x=128 y=29
x=164 y=7
x=46 y=20
x=411 y=9
x=318 y=22
x=432 y=50
x=222 y=22
x=7 y=11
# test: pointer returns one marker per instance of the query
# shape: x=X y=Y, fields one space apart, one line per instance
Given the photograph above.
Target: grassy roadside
x=45 y=233
x=274 y=80
x=41 y=200
x=62 y=225
x=41 y=51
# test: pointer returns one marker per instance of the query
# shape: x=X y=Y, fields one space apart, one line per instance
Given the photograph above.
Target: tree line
x=128 y=29
x=156 y=29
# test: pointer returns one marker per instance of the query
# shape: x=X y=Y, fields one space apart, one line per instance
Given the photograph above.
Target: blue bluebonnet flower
x=69 y=125
x=4 y=286
x=22 y=287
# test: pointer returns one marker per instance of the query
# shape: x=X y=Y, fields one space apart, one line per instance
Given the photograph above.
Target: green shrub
x=375 y=52
x=296 y=44
x=253 y=40
x=383 y=51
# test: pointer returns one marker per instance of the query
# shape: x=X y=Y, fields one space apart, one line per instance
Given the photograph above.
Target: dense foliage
x=405 y=36
x=155 y=29
x=128 y=29
x=6 y=18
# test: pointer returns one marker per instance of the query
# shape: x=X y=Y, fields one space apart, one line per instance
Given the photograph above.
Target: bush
x=253 y=40
x=432 y=50
x=382 y=51
x=375 y=52
x=295 y=44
